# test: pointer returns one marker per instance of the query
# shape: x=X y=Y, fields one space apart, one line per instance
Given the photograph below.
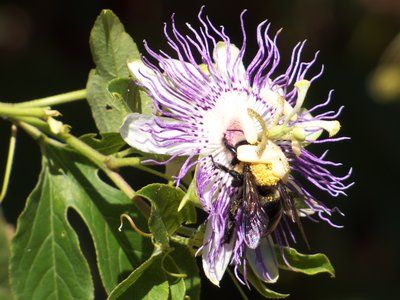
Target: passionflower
x=245 y=130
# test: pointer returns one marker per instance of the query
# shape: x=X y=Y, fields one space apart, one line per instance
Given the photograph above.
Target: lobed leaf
x=127 y=93
x=47 y=261
x=108 y=113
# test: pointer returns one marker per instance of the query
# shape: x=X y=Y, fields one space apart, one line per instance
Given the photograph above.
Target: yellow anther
x=264 y=174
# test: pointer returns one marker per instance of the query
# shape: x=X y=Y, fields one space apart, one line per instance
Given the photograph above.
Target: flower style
x=246 y=131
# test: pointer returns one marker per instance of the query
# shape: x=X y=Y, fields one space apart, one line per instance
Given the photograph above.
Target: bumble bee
x=261 y=205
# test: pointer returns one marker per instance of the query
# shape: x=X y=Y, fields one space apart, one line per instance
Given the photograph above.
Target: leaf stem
x=54 y=100
x=10 y=159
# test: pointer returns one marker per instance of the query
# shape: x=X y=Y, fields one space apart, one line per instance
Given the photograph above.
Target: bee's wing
x=290 y=209
x=255 y=221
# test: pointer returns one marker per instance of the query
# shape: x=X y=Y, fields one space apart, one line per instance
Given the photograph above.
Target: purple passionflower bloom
x=223 y=116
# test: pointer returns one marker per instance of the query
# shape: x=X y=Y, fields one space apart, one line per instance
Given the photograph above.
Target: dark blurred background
x=44 y=51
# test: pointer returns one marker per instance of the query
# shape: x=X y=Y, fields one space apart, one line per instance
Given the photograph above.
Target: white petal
x=135 y=130
x=228 y=63
x=263 y=260
x=229 y=109
x=156 y=86
x=274 y=99
x=138 y=70
x=216 y=271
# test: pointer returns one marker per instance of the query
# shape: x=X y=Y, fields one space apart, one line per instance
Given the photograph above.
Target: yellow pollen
x=263 y=174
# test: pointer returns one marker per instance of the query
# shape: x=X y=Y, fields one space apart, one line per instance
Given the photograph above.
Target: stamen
x=279 y=112
x=262 y=144
x=302 y=88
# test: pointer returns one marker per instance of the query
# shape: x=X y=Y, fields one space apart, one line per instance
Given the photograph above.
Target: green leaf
x=108 y=112
x=126 y=92
x=147 y=281
x=46 y=258
x=174 y=166
x=309 y=264
x=146 y=103
x=111 y=48
x=165 y=218
x=5 y=236
x=177 y=288
x=261 y=287
x=108 y=144
x=190 y=196
x=186 y=264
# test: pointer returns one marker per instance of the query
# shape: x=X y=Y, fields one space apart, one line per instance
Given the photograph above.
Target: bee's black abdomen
x=274 y=210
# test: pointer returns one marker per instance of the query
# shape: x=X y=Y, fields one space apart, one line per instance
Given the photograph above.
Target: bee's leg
x=234 y=205
x=237 y=177
x=229 y=228
x=233 y=149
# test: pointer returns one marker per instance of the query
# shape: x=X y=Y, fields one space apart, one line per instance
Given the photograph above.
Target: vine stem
x=93 y=155
x=54 y=100
x=34 y=117
x=101 y=161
